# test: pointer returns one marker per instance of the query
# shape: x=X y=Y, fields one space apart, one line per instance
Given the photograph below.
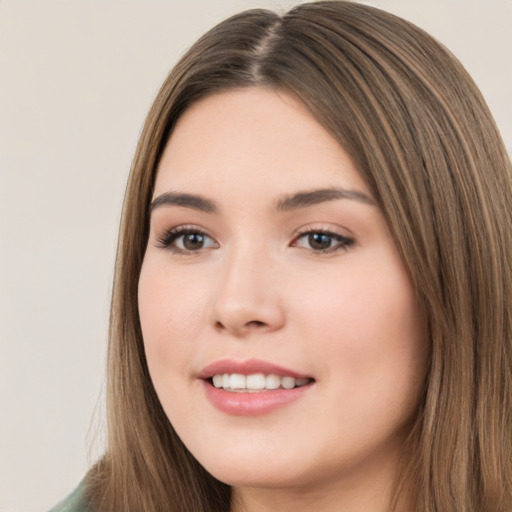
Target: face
x=281 y=329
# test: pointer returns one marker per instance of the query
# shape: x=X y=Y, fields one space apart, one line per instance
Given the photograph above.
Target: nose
x=247 y=298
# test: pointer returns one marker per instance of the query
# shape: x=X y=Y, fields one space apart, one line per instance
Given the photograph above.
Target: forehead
x=263 y=139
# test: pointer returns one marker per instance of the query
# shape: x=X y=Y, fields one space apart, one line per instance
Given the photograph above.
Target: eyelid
x=166 y=239
x=345 y=242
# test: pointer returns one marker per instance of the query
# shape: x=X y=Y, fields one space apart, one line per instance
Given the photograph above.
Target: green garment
x=75 y=502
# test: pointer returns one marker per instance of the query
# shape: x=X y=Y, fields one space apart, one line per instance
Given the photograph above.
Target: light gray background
x=76 y=80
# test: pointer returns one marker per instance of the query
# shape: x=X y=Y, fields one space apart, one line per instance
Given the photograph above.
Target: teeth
x=217 y=380
x=272 y=382
x=256 y=382
x=237 y=381
x=288 y=382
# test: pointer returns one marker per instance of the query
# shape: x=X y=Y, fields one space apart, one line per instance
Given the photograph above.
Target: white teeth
x=272 y=381
x=237 y=381
x=256 y=382
x=288 y=382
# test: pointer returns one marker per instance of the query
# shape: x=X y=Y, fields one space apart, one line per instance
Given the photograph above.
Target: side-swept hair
x=423 y=139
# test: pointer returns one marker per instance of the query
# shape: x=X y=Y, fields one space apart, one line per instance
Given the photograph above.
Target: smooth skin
x=314 y=284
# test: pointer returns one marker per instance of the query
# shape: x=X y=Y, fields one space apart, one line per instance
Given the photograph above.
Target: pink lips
x=246 y=368
x=250 y=404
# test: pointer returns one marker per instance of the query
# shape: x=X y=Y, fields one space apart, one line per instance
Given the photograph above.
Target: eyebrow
x=287 y=203
x=192 y=201
x=310 y=198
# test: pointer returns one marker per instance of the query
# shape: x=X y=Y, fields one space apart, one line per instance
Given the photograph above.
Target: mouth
x=252 y=387
x=256 y=382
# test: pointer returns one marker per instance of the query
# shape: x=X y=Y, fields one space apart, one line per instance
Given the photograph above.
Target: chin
x=253 y=464
x=263 y=475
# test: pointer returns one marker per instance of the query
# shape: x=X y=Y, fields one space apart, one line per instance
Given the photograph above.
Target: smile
x=252 y=387
x=256 y=382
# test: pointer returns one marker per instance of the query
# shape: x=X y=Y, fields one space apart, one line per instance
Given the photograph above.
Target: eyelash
x=340 y=242
x=169 y=238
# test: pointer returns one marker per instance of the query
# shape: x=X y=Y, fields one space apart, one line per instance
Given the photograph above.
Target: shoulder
x=75 y=502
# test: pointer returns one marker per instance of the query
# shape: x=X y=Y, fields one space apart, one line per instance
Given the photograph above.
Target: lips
x=252 y=387
x=248 y=367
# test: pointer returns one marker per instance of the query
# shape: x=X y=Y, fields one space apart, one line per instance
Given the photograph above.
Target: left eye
x=322 y=241
x=192 y=241
x=183 y=241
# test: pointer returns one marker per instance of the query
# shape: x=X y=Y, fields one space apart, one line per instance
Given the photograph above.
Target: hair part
x=423 y=139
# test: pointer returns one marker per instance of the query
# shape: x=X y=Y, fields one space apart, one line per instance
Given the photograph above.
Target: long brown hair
x=422 y=137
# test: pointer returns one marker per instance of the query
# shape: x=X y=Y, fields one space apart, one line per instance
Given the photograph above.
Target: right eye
x=186 y=240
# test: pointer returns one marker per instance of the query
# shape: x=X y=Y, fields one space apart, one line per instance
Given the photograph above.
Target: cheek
x=366 y=325
x=171 y=313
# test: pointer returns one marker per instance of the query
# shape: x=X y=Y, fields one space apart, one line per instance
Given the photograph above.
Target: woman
x=310 y=301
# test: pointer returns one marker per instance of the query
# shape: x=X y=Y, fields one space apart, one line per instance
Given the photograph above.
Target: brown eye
x=186 y=240
x=323 y=242
x=193 y=241
x=320 y=241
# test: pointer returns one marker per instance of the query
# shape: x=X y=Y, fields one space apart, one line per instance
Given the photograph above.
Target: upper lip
x=247 y=367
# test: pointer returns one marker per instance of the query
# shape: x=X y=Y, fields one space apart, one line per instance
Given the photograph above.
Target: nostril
x=255 y=323
x=252 y=324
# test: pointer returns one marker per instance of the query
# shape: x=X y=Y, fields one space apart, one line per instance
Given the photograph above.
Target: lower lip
x=252 y=404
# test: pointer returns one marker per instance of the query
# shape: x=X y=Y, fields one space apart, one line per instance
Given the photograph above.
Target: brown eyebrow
x=310 y=198
x=194 y=202
x=287 y=203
